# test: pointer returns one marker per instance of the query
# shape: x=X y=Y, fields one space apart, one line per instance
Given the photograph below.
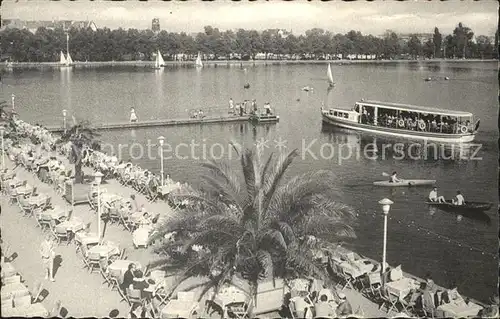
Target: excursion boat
x=405 y=121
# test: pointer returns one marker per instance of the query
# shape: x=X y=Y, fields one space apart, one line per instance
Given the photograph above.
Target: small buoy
x=246 y=86
x=428 y=79
x=298 y=100
x=446 y=78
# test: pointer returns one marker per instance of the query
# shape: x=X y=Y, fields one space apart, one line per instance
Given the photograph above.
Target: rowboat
x=405 y=121
x=467 y=207
x=407 y=182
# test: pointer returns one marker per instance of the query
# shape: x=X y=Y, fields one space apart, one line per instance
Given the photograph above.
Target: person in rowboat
x=433 y=196
x=459 y=199
x=394 y=178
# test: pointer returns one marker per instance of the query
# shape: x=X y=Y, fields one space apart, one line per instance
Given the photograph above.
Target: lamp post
x=386 y=206
x=13 y=97
x=161 y=140
x=64 y=120
x=2 y=131
x=98 y=178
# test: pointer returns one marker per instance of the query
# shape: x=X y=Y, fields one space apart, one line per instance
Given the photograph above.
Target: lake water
x=454 y=250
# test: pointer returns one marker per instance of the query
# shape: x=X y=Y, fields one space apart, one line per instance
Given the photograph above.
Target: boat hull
x=407 y=182
x=439 y=137
x=468 y=207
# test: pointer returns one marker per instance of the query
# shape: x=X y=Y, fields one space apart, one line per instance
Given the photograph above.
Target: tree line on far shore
x=123 y=45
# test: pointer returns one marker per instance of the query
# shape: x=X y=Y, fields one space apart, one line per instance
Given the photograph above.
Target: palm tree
x=81 y=134
x=253 y=224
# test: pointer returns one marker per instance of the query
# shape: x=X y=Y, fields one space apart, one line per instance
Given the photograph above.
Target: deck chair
x=124 y=220
x=237 y=310
x=61 y=234
x=114 y=215
x=94 y=261
x=55 y=312
x=85 y=258
x=388 y=300
x=112 y=277
x=37 y=291
x=428 y=306
x=134 y=298
x=163 y=296
x=26 y=208
x=47 y=204
x=44 y=222
x=374 y=284
x=13 y=196
x=339 y=273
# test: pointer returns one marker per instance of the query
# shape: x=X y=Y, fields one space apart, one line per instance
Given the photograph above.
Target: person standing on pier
x=231 y=105
x=133 y=116
x=48 y=254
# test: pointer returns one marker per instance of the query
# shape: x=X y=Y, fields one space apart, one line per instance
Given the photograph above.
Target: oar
x=385 y=174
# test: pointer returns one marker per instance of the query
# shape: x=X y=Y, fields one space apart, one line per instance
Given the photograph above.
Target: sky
x=413 y=16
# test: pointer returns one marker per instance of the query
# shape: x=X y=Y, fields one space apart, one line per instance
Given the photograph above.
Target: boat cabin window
x=356 y=107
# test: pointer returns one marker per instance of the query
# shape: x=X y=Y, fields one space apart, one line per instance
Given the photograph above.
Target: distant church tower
x=155 y=25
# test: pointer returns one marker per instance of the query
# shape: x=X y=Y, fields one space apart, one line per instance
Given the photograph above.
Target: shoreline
x=115 y=187
x=215 y=63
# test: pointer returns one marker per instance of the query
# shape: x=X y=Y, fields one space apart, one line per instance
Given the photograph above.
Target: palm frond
x=274 y=178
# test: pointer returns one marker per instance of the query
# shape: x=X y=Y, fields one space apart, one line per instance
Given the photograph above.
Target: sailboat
x=69 y=60
x=66 y=61
x=198 y=62
x=159 y=63
x=330 y=76
x=62 y=60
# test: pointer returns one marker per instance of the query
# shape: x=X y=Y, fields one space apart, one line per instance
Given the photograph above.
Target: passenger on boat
x=267 y=107
x=133 y=116
x=200 y=114
x=459 y=199
x=433 y=196
x=394 y=178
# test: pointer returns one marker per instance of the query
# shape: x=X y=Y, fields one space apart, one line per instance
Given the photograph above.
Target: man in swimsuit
x=394 y=178
x=459 y=199
x=433 y=196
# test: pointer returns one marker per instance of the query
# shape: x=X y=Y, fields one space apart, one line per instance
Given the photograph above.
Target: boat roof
x=414 y=108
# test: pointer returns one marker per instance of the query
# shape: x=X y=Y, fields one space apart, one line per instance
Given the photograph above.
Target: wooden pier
x=178 y=122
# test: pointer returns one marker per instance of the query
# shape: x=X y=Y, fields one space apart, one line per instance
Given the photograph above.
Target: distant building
x=282 y=33
x=423 y=37
x=155 y=25
x=32 y=26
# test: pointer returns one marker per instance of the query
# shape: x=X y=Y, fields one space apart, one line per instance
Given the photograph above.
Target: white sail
x=157 y=62
x=69 y=60
x=198 y=62
x=62 y=59
x=329 y=74
x=161 y=62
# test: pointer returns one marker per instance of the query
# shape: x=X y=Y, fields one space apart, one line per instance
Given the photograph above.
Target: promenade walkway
x=80 y=292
